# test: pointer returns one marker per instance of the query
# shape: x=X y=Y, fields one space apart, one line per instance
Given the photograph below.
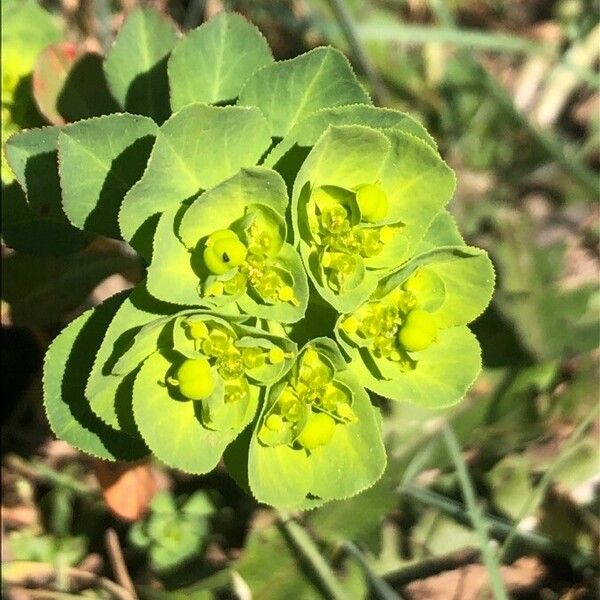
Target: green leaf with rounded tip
x=283 y=312
x=468 y=276
x=49 y=75
x=171 y=276
x=442 y=231
x=197 y=148
x=288 y=91
x=288 y=155
x=107 y=398
x=99 y=161
x=443 y=374
x=212 y=63
x=66 y=365
x=172 y=428
x=147 y=340
x=352 y=461
x=222 y=205
x=136 y=65
x=32 y=155
x=418 y=183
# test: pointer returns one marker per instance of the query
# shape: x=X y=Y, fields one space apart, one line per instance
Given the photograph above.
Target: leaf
x=220 y=206
x=136 y=66
x=109 y=394
x=171 y=427
x=127 y=488
x=443 y=374
x=99 y=161
x=468 y=276
x=213 y=61
x=171 y=277
x=49 y=76
x=419 y=184
x=336 y=520
x=288 y=155
x=197 y=148
x=66 y=365
x=442 y=231
x=32 y=156
x=26 y=231
x=34 y=286
x=85 y=92
x=288 y=91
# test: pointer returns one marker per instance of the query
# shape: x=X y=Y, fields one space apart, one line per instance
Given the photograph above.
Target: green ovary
x=309 y=407
x=341 y=238
x=224 y=251
x=195 y=379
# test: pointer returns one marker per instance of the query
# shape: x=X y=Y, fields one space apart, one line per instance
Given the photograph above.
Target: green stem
x=487 y=555
x=498 y=528
x=344 y=18
x=380 y=588
x=307 y=548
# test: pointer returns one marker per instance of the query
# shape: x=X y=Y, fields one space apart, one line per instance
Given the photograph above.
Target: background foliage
x=509 y=90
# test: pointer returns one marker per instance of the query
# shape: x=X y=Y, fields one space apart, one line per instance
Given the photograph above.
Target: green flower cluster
x=298 y=253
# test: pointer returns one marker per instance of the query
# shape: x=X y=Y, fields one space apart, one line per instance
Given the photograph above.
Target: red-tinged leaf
x=127 y=488
x=49 y=76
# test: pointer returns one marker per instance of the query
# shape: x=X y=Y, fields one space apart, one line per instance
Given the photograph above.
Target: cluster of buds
x=346 y=228
x=223 y=363
x=397 y=324
x=308 y=406
x=248 y=260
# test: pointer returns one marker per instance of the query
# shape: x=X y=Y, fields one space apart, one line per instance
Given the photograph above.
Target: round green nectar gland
x=194 y=378
x=418 y=331
x=373 y=202
x=224 y=251
x=318 y=431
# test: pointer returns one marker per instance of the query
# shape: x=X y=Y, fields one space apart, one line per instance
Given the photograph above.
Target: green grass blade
x=489 y=560
x=465 y=38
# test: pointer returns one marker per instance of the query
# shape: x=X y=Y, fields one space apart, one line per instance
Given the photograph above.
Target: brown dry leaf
x=19 y=516
x=127 y=488
x=470 y=582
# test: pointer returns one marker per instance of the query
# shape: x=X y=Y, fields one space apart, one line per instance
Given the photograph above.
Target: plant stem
x=344 y=18
x=380 y=588
x=478 y=523
x=498 y=528
x=307 y=548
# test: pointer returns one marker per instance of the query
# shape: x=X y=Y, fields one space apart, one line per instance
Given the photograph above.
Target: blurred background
x=507 y=484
